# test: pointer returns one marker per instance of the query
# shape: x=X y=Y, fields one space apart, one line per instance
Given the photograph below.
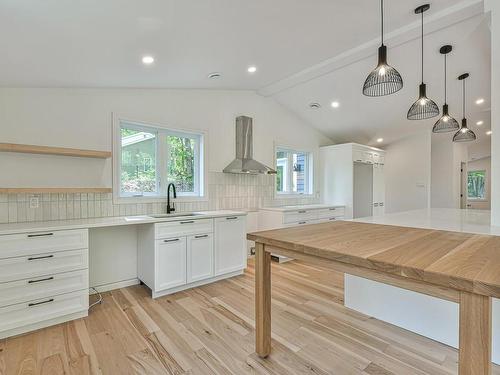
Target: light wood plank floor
x=209 y=330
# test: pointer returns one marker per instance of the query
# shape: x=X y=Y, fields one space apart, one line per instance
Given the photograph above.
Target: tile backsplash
x=225 y=191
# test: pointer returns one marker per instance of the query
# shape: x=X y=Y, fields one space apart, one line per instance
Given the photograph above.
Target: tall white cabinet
x=353 y=176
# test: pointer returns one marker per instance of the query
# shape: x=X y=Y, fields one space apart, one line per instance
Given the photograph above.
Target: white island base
x=428 y=316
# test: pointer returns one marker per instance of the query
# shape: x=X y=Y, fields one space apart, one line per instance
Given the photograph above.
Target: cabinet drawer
x=299 y=216
x=15 y=245
x=35 y=311
x=183 y=228
x=327 y=213
x=42 y=287
x=31 y=266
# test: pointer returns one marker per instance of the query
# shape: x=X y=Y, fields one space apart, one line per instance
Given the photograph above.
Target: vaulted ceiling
x=305 y=51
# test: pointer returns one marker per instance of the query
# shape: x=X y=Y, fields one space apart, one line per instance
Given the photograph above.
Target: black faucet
x=170 y=209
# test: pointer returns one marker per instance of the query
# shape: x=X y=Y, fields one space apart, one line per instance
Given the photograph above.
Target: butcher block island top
x=461 y=267
x=462 y=261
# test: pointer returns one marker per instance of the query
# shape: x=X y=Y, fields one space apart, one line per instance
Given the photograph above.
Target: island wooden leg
x=262 y=301
x=475 y=335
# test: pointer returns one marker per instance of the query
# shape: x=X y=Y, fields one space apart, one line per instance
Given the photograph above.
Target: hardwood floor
x=209 y=330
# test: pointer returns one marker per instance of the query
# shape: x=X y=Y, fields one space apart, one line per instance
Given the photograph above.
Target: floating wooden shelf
x=47 y=150
x=54 y=190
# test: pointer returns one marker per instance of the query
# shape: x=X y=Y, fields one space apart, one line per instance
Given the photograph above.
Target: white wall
x=494 y=7
x=82 y=118
x=408 y=173
x=479 y=165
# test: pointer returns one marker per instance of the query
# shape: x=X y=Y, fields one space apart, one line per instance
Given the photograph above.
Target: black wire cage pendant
x=384 y=79
x=446 y=123
x=464 y=134
x=424 y=107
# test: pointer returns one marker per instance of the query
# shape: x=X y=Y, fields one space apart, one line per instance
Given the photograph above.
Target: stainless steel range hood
x=244 y=162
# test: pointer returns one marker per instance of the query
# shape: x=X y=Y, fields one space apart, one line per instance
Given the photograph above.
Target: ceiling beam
x=440 y=20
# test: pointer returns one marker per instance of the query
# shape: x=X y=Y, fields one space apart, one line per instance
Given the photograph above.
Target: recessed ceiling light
x=252 y=69
x=480 y=101
x=314 y=105
x=335 y=104
x=214 y=75
x=380 y=140
x=479 y=123
x=488 y=132
x=148 y=60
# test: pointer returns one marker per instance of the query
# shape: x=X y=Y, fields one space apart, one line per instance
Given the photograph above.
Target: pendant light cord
x=422 y=47
x=382 y=13
x=445 y=79
x=463 y=100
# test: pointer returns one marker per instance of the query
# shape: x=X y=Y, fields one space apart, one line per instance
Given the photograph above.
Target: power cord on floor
x=99 y=300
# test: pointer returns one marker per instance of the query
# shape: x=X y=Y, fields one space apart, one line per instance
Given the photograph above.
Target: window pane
x=292 y=172
x=181 y=163
x=138 y=167
x=299 y=172
x=476 y=184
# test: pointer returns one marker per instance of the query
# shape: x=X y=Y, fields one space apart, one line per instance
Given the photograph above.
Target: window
x=152 y=157
x=294 y=171
x=476 y=184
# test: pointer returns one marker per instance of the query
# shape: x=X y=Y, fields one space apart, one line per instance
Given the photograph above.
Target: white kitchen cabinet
x=170 y=263
x=200 y=257
x=345 y=184
x=179 y=255
x=230 y=244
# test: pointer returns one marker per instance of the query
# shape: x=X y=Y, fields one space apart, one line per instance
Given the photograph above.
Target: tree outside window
x=476 y=184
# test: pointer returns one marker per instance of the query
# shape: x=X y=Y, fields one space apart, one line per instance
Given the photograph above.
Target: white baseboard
x=112 y=286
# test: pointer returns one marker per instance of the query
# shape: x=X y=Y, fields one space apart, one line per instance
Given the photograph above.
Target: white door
x=200 y=257
x=170 y=263
x=230 y=244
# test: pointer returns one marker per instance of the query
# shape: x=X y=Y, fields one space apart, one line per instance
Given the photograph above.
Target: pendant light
x=384 y=79
x=424 y=107
x=464 y=134
x=446 y=123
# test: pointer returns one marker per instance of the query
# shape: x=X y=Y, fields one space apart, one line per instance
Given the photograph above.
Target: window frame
x=485 y=198
x=309 y=181
x=162 y=152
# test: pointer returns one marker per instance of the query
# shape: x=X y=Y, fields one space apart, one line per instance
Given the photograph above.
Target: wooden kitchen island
x=459 y=267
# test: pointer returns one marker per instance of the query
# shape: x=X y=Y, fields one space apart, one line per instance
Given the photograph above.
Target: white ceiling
x=305 y=50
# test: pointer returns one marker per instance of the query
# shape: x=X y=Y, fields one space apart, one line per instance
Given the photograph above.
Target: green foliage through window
x=476 y=184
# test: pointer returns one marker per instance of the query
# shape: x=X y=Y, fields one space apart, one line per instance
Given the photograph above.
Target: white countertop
x=455 y=220
x=299 y=207
x=42 y=226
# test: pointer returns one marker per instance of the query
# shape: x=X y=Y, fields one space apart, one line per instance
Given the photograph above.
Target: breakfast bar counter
x=455 y=266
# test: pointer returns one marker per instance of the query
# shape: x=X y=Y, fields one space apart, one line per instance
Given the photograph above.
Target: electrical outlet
x=34 y=202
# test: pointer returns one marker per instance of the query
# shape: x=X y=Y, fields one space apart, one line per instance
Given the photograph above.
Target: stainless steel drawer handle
x=332 y=218
x=332 y=209
x=302 y=212
x=231 y=218
x=201 y=236
x=40 y=235
x=40 y=303
x=41 y=280
x=302 y=222
x=187 y=222
x=172 y=240
x=42 y=257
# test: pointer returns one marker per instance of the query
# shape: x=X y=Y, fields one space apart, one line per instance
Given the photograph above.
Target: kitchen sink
x=180 y=214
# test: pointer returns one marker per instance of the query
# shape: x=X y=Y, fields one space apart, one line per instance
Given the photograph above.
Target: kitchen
x=97 y=251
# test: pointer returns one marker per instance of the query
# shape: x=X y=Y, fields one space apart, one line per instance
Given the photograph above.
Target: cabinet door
x=378 y=190
x=200 y=257
x=170 y=263
x=230 y=244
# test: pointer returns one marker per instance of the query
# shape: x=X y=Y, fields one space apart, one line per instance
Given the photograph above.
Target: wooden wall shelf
x=54 y=190
x=47 y=150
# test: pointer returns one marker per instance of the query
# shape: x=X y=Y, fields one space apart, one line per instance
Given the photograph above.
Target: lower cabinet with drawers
x=43 y=279
x=290 y=216
x=182 y=254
